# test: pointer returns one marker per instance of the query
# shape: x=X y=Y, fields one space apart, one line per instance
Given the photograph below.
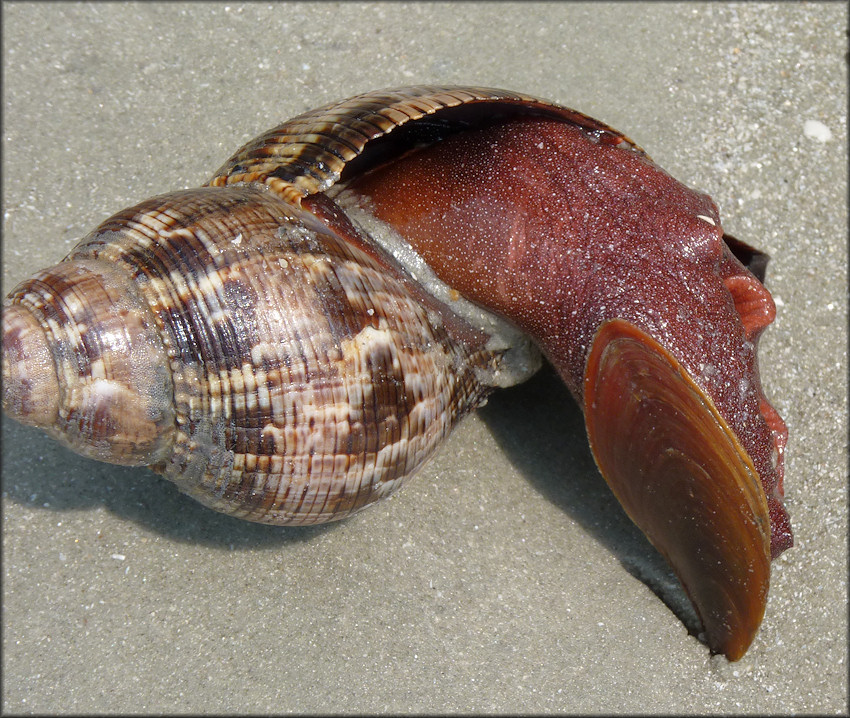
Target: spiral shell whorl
x=307 y=377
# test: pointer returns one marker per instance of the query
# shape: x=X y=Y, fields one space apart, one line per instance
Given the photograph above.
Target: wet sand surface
x=504 y=577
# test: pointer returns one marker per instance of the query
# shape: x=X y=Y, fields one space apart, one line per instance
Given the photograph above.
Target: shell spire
x=83 y=360
x=30 y=383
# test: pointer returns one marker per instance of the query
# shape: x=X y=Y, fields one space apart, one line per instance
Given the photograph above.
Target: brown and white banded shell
x=271 y=370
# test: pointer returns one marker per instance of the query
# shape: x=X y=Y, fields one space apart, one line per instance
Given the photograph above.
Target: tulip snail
x=293 y=340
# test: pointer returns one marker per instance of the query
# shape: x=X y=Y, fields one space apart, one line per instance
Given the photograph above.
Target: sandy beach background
x=504 y=577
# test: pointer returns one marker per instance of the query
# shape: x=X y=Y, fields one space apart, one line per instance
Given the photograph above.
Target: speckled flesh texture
x=297 y=377
x=290 y=370
x=539 y=221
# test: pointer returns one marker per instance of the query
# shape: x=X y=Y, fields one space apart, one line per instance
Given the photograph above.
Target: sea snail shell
x=290 y=342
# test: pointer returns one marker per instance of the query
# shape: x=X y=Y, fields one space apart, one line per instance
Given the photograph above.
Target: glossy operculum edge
x=669 y=456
